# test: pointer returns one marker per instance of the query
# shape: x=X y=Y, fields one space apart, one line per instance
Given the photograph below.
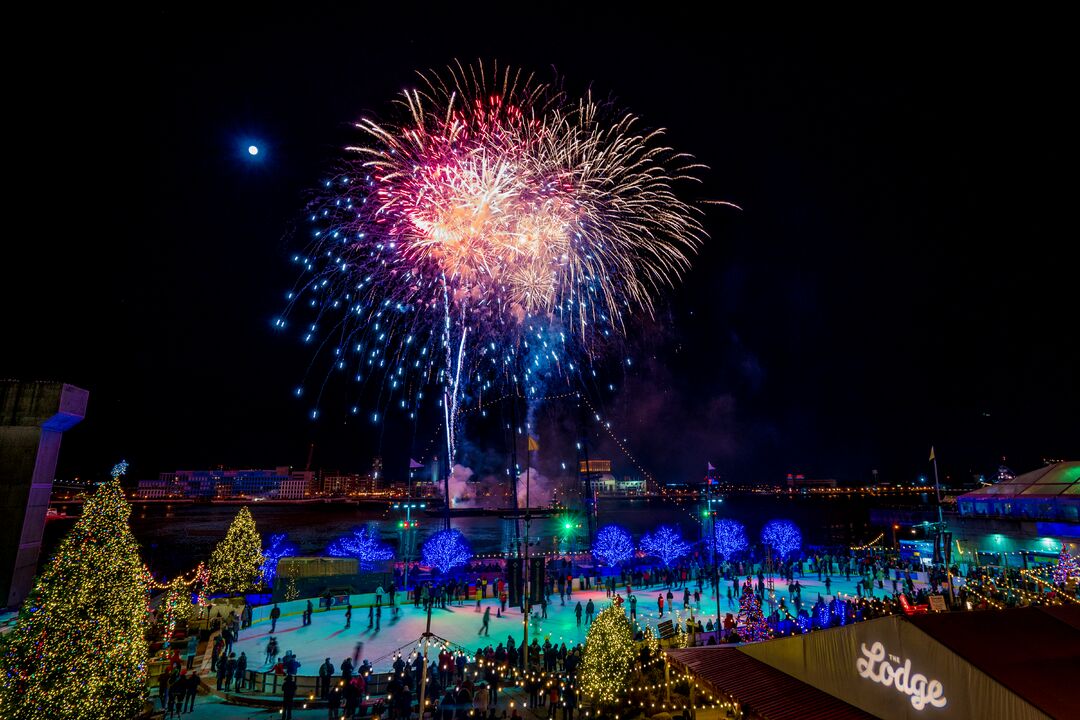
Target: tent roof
x=761 y=689
x=1059 y=479
x=1034 y=652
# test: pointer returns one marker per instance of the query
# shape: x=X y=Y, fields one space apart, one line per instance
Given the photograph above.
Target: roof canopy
x=1061 y=480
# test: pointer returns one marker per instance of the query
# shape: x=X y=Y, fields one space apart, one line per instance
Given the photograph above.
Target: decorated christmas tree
x=175 y=607
x=291 y=591
x=1066 y=567
x=236 y=563
x=79 y=649
x=609 y=656
x=751 y=621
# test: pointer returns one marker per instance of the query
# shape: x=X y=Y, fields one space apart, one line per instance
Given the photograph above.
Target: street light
x=407 y=530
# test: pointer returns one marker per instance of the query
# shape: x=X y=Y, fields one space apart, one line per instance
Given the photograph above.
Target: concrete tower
x=33 y=417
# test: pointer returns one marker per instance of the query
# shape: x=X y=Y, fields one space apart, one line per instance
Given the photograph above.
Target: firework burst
x=497 y=234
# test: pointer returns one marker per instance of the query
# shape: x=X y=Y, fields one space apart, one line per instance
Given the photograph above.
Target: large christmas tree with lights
x=609 y=656
x=236 y=563
x=751 y=621
x=78 y=651
x=1066 y=567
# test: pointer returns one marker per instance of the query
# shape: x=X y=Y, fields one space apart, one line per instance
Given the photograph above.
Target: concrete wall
x=33 y=418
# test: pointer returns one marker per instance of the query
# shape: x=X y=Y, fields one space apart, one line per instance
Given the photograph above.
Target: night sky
x=899 y=275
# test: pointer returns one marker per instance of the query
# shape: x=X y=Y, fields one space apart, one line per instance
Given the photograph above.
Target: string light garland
x=870 y=544
x=236 y=562
x=79 y=651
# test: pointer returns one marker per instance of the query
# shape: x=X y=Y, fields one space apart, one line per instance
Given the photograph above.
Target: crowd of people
x=461 y=685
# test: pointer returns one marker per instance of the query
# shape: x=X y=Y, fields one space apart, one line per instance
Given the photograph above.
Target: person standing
x=577 y=612
x=230 y=671
x=660 y=603
x=485 y=622
x=221 y=671
x=215 y=655
x=241 y=671
x=192 y=650
x=275 y=613
x=309 y=611
x=191 y=689
x=633 y=607
x=326 y=671
x=378 y=595
x=288 y=694
x=333 y=704
x=590 y=609
x=348 y=615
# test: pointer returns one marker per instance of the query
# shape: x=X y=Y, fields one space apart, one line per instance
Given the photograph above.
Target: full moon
x=253 y=150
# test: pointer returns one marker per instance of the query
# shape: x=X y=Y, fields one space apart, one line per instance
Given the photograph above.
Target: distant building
x=798 y=481
x=345 y=484
x=158 y=490
x=595 y=466
x=279 y=483
x=608 y=484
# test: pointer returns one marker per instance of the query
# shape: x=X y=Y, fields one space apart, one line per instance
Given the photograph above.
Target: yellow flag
x=931 y=452
x=533 y=445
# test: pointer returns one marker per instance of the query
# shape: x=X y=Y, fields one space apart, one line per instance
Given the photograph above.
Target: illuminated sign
x=891 y=672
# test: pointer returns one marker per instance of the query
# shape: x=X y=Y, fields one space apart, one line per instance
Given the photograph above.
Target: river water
x=174 y=538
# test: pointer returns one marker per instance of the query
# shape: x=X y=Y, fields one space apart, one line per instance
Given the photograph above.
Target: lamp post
x=408 y=533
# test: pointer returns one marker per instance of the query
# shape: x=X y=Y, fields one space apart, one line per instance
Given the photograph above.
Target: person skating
x=275 y=613
x=485 y=622
x=660 y=603
x=577 y=612
x=348 y=615
x=589 y=610
x=271 y=650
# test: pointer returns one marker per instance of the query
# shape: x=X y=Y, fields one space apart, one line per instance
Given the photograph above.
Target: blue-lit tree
x=364 y=545
x=665 y=543
x=446 y=550
x=612 y=545
x=730 y=537
x=783 y=536
x=276 y=548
